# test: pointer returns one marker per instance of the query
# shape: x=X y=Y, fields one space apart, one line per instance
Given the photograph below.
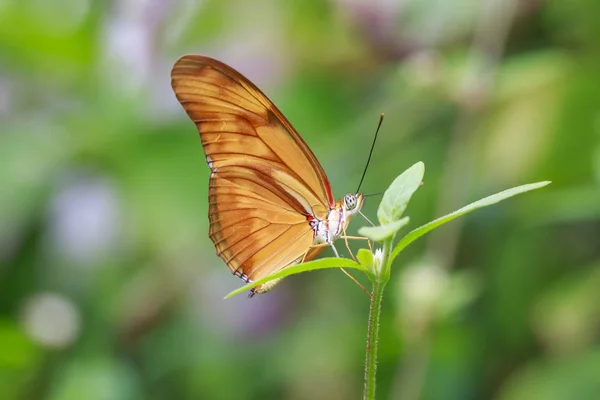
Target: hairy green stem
x=372 y=340
x=381 y=275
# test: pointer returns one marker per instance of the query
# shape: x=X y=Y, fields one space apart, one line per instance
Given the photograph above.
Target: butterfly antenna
x=370 y=152
x=373 y=194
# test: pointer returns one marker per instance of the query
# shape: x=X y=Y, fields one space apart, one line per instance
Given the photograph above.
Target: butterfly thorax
x=338 y=218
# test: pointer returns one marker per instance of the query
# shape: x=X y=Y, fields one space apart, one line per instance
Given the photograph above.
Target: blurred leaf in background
x=111 y=289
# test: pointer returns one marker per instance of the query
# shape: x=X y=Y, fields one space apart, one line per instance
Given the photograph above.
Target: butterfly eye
x=350 y=201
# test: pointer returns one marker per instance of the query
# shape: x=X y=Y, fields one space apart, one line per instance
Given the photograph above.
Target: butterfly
x=270 y=202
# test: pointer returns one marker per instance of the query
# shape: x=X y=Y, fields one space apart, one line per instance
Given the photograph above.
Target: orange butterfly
x=270 y=203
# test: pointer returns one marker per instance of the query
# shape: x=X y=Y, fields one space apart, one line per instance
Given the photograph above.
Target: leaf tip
x=234 y=292
x=538 y=185
x=419 y=167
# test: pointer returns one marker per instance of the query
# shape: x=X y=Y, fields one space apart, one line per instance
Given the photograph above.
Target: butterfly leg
x=360 y=238
x=334 y=250
x=365 y=217
x=348 y=273
x=346 y=237
x=356 y=281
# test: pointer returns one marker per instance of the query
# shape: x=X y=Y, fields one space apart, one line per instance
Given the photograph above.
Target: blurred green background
x=110 y=288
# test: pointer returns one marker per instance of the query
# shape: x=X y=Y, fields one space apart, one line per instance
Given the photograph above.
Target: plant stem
x=372 y=340
x=379 y=280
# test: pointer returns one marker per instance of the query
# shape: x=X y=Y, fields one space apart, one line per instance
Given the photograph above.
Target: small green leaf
x=365 y=257
x=296 y=269
x=487 y=201
x=396 y=197
x=382 y=232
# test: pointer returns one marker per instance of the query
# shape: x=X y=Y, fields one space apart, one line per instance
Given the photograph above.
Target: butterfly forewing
x=265 y=182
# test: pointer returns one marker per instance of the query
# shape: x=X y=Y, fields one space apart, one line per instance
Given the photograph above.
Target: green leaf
x=396 y=197
x=382 y=232
x=323 y=263
x=365 y=257
x=487 y=201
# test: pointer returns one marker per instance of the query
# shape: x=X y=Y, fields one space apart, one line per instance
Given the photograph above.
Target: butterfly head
x=353 y=203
